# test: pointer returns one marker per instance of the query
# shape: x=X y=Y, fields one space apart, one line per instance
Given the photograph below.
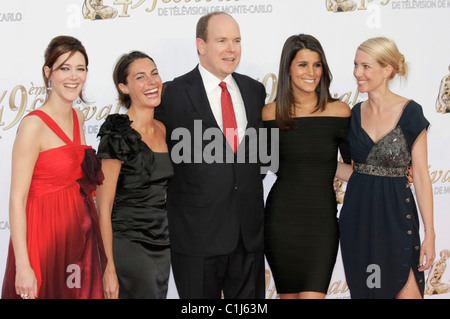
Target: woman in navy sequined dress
x=379 y=223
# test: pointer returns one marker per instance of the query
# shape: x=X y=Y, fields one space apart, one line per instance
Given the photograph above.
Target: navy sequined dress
x=379 y=225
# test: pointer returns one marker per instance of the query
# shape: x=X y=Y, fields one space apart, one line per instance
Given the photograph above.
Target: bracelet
x=429 y=228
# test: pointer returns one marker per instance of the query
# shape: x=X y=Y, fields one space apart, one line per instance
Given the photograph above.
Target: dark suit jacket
x=211 y=204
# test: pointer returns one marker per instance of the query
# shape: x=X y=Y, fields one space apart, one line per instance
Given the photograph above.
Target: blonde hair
x=386 y=53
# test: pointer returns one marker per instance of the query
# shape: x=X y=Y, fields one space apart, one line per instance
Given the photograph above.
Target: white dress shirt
x=214 y=92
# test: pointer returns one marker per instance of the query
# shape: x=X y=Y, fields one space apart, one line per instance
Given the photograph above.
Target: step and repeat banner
x=165 y=29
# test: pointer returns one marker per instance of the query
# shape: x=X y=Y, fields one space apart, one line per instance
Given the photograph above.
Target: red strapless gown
x=64 y=243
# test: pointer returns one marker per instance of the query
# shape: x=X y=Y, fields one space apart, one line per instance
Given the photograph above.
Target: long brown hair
x=285 y=97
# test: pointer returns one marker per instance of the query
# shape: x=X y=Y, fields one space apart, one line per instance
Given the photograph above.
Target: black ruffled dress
x=139 y=216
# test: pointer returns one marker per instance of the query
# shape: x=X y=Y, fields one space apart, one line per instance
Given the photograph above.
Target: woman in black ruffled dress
x=132 y=199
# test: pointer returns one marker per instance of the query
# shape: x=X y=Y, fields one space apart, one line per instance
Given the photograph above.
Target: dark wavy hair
x=121 y=72
x=285 y=97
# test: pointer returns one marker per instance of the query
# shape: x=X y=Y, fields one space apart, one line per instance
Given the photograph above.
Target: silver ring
x=24 y=296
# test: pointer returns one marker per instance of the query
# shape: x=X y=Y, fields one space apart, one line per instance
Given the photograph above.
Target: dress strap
x=76 y=128
x=55 y=128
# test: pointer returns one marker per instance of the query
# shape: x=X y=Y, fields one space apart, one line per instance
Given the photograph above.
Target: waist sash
x=380 y=170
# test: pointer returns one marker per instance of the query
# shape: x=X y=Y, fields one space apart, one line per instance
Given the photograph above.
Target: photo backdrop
x=165 y=29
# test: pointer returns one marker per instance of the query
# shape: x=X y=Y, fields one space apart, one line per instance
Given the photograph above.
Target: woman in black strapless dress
x=301 y=228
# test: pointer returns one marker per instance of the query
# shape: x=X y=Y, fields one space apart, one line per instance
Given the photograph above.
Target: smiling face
x=144 y=85
x=67 y=77
x=369 y=74
x=221 y=52
x=306 y=71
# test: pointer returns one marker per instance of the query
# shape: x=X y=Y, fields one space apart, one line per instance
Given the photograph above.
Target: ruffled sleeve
x=413 y=122
x=118 y=140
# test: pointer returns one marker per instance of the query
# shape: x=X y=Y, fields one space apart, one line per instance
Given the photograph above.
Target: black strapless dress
x=301 y=227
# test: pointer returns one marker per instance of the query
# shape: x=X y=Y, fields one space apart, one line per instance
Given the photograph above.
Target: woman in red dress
x=55 y=249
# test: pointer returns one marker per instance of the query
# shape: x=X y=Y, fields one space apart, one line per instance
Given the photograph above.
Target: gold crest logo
x=95 y=10
x=433 y=285
x=352 y=5
x=443 y=99
x=341 y=5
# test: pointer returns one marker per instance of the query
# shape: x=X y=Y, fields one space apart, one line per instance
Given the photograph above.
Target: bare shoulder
x=31 y=124
x=339 y=109
x=30 y=133
x=268 y=112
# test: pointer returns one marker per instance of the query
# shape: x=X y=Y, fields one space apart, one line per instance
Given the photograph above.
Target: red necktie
x=228 y=118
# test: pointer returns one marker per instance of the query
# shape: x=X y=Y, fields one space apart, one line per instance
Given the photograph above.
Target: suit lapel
x=246 y=97
x=197 y=95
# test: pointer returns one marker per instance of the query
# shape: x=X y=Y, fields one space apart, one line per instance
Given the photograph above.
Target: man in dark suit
x=215 y=200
